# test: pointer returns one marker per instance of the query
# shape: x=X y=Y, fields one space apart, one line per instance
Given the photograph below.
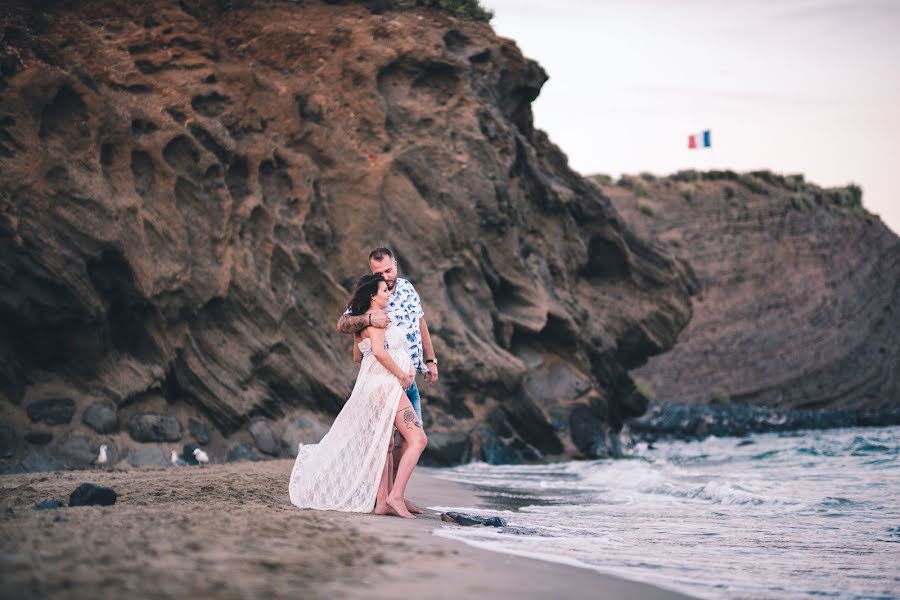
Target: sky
x=793 y=86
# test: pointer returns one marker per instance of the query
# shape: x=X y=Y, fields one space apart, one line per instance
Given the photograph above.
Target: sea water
x=809 y=514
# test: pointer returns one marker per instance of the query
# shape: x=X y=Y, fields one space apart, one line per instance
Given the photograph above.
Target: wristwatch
x=428 y=360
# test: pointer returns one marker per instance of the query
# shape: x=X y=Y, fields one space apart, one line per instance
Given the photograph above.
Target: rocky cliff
x=799 y=301
x=187 y=189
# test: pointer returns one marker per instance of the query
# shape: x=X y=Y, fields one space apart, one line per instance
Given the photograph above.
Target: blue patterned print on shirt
x=405 y=310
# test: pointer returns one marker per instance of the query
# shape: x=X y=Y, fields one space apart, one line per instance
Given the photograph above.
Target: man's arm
x=350 y=324
x=428 y=352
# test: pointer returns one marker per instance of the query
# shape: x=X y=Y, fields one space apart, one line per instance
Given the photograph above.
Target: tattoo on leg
x=409 y=418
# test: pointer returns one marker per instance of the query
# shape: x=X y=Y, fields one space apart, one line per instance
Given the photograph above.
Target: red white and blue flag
x=699 y=140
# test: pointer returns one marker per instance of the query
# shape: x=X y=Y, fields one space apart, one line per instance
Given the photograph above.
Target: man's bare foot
x=399 y=507
x=412 y=507
x=384 y=509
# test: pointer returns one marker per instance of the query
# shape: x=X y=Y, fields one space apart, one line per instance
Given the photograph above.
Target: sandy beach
x=229 y=531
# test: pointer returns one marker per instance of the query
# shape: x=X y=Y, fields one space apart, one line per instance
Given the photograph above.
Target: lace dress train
x=343 y=470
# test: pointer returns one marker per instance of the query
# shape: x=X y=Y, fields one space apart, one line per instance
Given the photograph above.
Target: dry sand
x=229 y=531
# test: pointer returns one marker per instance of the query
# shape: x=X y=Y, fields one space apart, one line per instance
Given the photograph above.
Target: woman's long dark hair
x=361 y=299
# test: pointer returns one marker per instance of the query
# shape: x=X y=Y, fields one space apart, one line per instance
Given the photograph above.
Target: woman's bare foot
x=399 y=507
x=384 y=509
x=412 y=507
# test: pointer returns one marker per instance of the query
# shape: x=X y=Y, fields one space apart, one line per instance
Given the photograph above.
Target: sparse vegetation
x=802 y=201
x=634 y=184
x=720 y=397
x=688 y=175
x=601 y=179
x=470 y=10
x=850 y=196
x=645 y=208
x=752 y=183
x=648 y=177
x=645 y=389
x=673 y=238
x=687 y=191
x=729 y=192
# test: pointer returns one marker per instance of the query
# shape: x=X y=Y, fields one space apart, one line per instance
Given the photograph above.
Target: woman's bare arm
x=357 y=355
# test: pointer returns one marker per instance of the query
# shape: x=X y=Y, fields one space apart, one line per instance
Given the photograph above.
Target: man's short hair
x=380 y=252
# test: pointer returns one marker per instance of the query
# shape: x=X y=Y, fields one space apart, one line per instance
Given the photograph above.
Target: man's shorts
x=412 y=392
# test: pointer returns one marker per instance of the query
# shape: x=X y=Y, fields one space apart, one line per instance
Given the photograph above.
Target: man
x=405 y=311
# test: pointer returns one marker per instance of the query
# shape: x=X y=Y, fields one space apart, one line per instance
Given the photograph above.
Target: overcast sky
x=794 y=86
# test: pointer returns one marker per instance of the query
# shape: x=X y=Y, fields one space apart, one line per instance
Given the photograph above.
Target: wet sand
x=230 y=531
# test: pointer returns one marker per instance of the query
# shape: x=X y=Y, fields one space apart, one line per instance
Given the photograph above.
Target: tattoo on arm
x=349 y=324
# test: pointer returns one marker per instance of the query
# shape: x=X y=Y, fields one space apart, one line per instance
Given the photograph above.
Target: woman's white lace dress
x=343 y=470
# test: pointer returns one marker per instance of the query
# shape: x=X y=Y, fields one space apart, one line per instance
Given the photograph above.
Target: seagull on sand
x=101 y=458
x=176 y=460
x=201 y=456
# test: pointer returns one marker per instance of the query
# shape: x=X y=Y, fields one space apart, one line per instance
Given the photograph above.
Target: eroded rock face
x=799 y=305
x=186 y=195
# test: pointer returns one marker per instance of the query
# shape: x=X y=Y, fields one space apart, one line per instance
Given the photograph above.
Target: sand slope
x=229 y=531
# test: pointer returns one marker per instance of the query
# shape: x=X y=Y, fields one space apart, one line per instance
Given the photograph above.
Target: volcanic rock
x=53 y=411
x=154 y=428
x=187 y=190
x=102 y=417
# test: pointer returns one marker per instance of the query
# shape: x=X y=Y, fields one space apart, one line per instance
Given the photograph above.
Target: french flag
x=699 y=140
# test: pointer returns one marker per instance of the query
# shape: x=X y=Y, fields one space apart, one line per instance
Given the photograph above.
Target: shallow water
x=806 y=514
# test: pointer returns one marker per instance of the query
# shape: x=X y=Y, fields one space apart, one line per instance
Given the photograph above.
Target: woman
x=348 y=469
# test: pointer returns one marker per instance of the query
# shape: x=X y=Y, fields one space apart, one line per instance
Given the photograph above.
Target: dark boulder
x=49 y=504
x=495 y=450
x=198 y=431
x=38 y=438
x=447 y=448
x=52 y=411
x=468 y=520
x=242 y=451
x=75 y=451
x=264 y=437
x=152 y=427
x=148 y=456
x=88 y=494
x=102 y=417
x=588 y=432
x=35 y=461
x=8 y=441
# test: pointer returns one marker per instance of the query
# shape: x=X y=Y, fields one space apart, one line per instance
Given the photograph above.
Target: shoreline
x=690 y=422
x=230 y=531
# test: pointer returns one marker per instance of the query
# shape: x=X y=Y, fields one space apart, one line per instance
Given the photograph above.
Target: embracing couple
x=357 y=467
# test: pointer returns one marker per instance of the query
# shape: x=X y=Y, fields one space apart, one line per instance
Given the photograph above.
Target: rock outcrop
x=799 y=306
x=187 y=189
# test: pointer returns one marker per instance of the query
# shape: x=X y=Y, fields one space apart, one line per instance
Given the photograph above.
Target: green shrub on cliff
x=752 y=183
x=720 y=397
x=645 y=208
x=645 y=389
x=634 y=184
x=687 y=191
x=850 y=196
x=470 y=10
x=601 y=179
